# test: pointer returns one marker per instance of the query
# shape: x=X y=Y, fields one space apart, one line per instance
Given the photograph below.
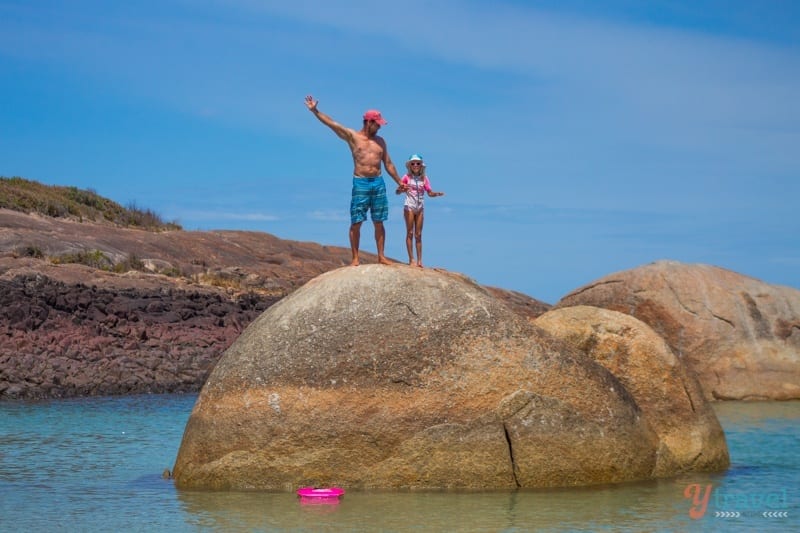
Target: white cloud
x=330 y=215
x=225 y=215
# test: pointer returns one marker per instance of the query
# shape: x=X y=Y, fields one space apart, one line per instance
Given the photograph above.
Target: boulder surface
x=740 y=335
x=404 y=378
x=666 y=391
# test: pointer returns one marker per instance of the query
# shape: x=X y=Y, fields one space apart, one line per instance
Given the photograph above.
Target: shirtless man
x=369 y=189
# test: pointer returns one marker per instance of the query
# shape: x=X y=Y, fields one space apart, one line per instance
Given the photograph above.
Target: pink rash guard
x=415 y=194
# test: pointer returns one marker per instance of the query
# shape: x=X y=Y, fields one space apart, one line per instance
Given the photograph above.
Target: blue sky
x=572 y=138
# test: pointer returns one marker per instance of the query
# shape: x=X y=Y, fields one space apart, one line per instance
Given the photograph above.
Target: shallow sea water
x=95 y=464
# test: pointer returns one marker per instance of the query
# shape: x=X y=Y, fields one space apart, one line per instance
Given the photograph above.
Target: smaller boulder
x=669 y=395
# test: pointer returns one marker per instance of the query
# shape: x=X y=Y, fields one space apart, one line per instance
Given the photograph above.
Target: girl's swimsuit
x=415 y=194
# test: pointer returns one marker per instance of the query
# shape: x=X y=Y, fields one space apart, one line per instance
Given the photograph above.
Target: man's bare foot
x=354 y=263
x=419 y=264
x=411 y=262
x=382 y=260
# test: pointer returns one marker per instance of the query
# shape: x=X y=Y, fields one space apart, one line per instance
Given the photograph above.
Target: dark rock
x=58 y=346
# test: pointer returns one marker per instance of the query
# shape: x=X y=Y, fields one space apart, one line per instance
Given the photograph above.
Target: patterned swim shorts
x=369 y=194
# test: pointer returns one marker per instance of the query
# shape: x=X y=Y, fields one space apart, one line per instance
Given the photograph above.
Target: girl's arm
x=427 y=186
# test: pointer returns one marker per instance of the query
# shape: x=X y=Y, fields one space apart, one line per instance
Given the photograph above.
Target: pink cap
x=374 y=114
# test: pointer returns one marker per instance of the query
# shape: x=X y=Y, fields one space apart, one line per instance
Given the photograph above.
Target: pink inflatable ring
x=312 y=492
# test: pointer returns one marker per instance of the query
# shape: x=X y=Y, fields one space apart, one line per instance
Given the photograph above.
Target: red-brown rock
x=740 y=335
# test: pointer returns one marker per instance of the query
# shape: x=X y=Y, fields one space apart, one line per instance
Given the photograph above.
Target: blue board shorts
x=369 y=194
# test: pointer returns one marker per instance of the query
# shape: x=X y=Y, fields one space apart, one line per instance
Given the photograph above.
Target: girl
x=416 y=184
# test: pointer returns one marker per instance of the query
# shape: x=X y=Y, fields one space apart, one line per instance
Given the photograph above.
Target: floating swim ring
x=313 y=492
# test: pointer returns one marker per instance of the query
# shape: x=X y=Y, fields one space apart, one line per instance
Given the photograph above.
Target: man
x=369 y=190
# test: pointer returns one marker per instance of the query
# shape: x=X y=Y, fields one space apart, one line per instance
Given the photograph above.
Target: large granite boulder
x=666 y=391
x=740 y=335
x=400 y=377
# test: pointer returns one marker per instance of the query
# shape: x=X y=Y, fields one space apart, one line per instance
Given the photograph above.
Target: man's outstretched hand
x=311 y=104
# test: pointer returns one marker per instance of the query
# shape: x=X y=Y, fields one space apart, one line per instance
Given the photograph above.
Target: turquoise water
x=95 y=465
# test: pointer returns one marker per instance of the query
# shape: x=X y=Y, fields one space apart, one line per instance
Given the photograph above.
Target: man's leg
x=379 y=213
x=380 y=240
x=355 y=239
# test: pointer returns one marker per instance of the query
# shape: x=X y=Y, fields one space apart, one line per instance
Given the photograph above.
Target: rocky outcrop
x=69 y=329
x=398 y=377
x=740 y=335
x=241 y=260
x=81 y=339
x=667 y=392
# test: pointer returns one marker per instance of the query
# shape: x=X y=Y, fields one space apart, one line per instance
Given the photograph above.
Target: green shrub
x=93 y=258
x=29 y=251
x=132 y=262
x=55 y=201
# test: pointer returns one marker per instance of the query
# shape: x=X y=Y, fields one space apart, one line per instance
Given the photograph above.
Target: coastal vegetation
x=28 y=196
x=102 y=261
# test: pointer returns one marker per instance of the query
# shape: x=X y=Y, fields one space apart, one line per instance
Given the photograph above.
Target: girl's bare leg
x=419 y=218
x=408 y=215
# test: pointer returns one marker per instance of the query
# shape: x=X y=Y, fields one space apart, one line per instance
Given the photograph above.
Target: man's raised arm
x=338 y=129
